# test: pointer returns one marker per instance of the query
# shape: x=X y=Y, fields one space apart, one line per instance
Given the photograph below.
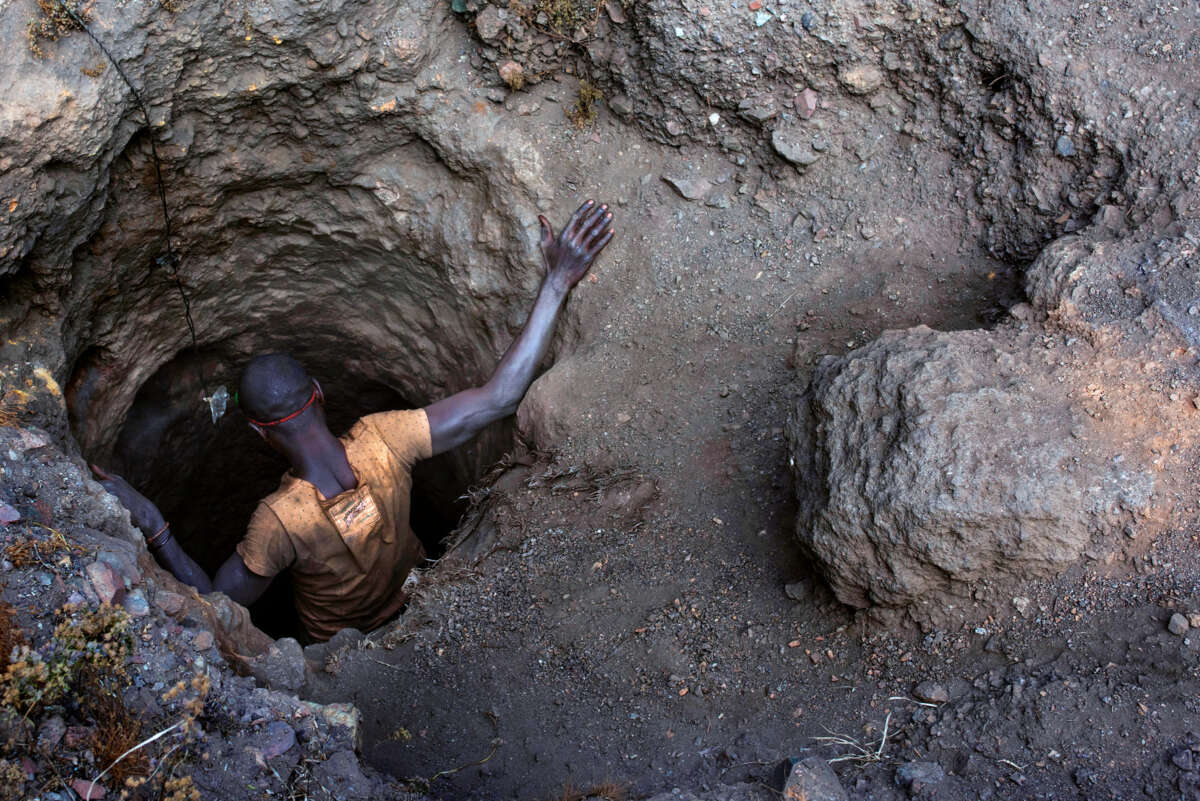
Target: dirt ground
x=686 y=644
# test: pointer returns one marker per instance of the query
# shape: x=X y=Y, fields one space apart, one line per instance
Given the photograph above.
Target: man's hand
x=142 y=512
x=569 y=255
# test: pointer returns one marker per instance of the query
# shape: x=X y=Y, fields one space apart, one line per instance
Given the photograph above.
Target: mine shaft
x=559 y=399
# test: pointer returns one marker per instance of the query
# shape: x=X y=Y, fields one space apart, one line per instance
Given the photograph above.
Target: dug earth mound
x=864 y=467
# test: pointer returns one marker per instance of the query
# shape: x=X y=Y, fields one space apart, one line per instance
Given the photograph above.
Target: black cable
x=170 y=261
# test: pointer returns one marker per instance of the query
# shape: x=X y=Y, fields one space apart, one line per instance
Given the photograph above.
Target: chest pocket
x=357 y=518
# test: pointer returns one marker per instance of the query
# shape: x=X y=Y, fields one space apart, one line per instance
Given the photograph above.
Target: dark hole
x=996 y=80
x=207 y=478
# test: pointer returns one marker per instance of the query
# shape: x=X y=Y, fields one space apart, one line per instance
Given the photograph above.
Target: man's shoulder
x=404 y=432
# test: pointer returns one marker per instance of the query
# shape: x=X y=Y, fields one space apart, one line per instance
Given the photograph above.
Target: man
x=339 y=520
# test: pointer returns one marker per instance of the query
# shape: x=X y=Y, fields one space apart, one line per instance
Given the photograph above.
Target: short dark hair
x=273 y=386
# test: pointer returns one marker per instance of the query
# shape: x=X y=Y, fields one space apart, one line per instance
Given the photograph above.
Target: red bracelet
x=159 y=537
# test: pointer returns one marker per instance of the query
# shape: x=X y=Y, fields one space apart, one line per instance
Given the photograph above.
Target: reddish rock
x=806 y=103
x=87 y=790
x=8 y=514
x=277 y=739
x=170 y=602
x=108 y=585
x=203 y=641
x=76 y=736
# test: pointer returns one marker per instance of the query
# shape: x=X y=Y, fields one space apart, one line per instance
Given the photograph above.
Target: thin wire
x=170 y=261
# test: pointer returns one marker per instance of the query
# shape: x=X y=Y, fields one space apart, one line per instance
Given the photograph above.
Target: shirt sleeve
x=405 y=432
x=266 y=549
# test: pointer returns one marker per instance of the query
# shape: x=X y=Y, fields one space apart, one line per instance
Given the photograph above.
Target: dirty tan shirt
x=349 y=555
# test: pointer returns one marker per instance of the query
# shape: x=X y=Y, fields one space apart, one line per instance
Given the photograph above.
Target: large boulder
x=932 y=467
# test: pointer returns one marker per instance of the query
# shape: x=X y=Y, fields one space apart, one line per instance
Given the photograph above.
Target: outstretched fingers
x=597 y=245
x=569 y=228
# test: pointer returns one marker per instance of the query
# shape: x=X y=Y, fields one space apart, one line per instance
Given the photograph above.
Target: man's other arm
x=455 y=420
x=233 y=577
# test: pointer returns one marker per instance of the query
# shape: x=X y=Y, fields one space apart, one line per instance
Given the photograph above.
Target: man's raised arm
x=568 y=256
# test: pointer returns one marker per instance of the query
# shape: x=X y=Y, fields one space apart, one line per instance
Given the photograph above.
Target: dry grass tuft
x=609 y=791
x=51 y=23
x=28 y=552
x=583 y=113
x=117 y=729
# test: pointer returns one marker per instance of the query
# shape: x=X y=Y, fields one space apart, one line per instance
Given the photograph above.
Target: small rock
x=689 y=188
x=808 y=20
x=76 y=736
x=277 y=739
x=861 y=79
x=51 y=734
x=623 y=418
x=170 y=602
x=1178 y=625
x=341 y=777
x=282 y=667
x=798 y=590
x=916 y=776
x=8 y=514
x=512 y=74
x=136 y=604
x=88 y=791
x=762 y=18
x=806 y=103
x=615 y=12
x=1194 y=620
x=620 y=105
x=1021 y=604
x=203 y=640
x=107 y=584
x=489 y=22
x=719 y=201
x=1064 y=146
x=813 y=780
x=714 y=119
x=787 y=143
x=931 y=693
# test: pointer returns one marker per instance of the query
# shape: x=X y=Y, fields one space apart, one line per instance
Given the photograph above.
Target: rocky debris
x=813 y=780
x=51 y=733
x=277 y=738
x=88 y=790
x=512 y=74
x=919 y=776
x=1064 y=147
x=860 y=79
x=931 y=692
x=1022 y=605
x=282 y=667
x=105 y=582
x=806 y=103
x=689 y=187
x=795 y=145
x=1178 y=625
x=8 y=514
x=928 y=472
x=159 y=673
x=342 y=778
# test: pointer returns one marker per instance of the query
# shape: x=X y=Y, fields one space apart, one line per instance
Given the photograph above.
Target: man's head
x=274 y=388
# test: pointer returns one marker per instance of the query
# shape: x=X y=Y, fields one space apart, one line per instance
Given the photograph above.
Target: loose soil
x=686 y=644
